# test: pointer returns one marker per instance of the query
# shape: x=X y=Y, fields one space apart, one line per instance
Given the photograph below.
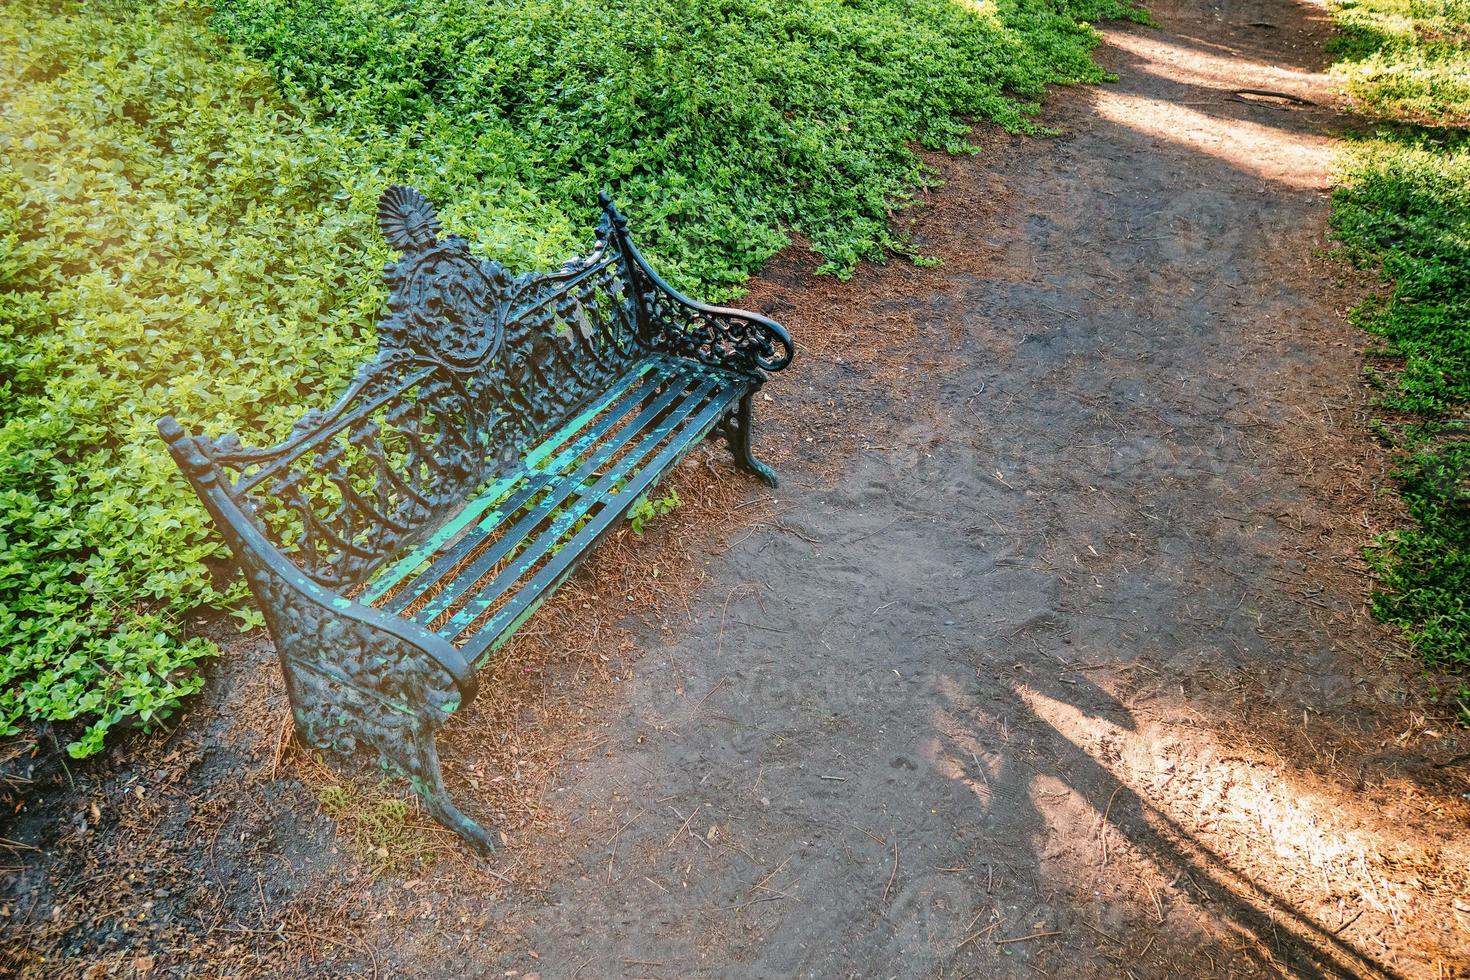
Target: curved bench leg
x=418 y=759
x=738 y=433
x=353 y=686
x=337 y=719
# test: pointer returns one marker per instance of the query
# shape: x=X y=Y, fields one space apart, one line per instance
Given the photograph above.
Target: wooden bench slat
x=507 y=495
x=530 y=594
x=675 y=400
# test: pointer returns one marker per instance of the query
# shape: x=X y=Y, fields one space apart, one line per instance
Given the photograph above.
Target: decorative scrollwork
x=357 y=677
x=350 y=685
x=356 y=685
x=474 y=367
x=446 y=305
x=735 y=340
x=407 y=219
x=728 y=339
x=352 y=486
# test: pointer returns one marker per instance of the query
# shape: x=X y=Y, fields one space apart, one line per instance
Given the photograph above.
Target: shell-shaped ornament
x=407 y=219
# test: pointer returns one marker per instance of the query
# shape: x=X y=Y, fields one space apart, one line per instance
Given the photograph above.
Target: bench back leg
x=738 y=433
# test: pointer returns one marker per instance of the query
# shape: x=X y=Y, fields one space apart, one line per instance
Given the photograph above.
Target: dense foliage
x=1425 y=576
x=1406 y=59
x=1404 y=204
x=185 y=229
x=164 y=231
x=720 y=122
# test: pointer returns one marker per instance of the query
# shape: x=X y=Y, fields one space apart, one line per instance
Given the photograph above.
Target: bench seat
x=491 y=564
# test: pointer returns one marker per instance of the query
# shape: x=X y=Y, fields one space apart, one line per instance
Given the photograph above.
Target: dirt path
x=1076 y=651
x=1052 y=658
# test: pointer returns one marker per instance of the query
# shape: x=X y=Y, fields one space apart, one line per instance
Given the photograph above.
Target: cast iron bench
x=397 y=539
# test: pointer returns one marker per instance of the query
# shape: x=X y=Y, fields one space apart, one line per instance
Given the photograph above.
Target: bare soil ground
x=1049 y=657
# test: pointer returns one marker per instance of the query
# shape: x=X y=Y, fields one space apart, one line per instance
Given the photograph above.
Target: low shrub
x=720 y=123
x=1403 y=205
x=170 y=240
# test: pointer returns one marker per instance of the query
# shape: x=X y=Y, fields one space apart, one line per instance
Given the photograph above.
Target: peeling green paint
x=690 y=428
x=407 y=566
x=560 y=492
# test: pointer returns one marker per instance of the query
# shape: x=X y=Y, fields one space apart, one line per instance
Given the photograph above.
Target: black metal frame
x=474 y=367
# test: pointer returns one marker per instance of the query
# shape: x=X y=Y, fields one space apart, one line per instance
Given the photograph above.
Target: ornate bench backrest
x=474 y=367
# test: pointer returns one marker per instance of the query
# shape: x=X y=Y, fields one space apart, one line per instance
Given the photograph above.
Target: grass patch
x=1403 y=205
x=1423 y=569
x=382 y=830
x=1406 y=60
x=186 y=226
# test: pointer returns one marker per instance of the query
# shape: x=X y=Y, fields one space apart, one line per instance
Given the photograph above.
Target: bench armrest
x=324 y=638
x=720 y=336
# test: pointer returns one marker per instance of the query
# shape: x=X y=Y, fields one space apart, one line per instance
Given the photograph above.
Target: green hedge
x=165 y=227
x=720 y=122
x=1403 y=204
x=186 y=227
